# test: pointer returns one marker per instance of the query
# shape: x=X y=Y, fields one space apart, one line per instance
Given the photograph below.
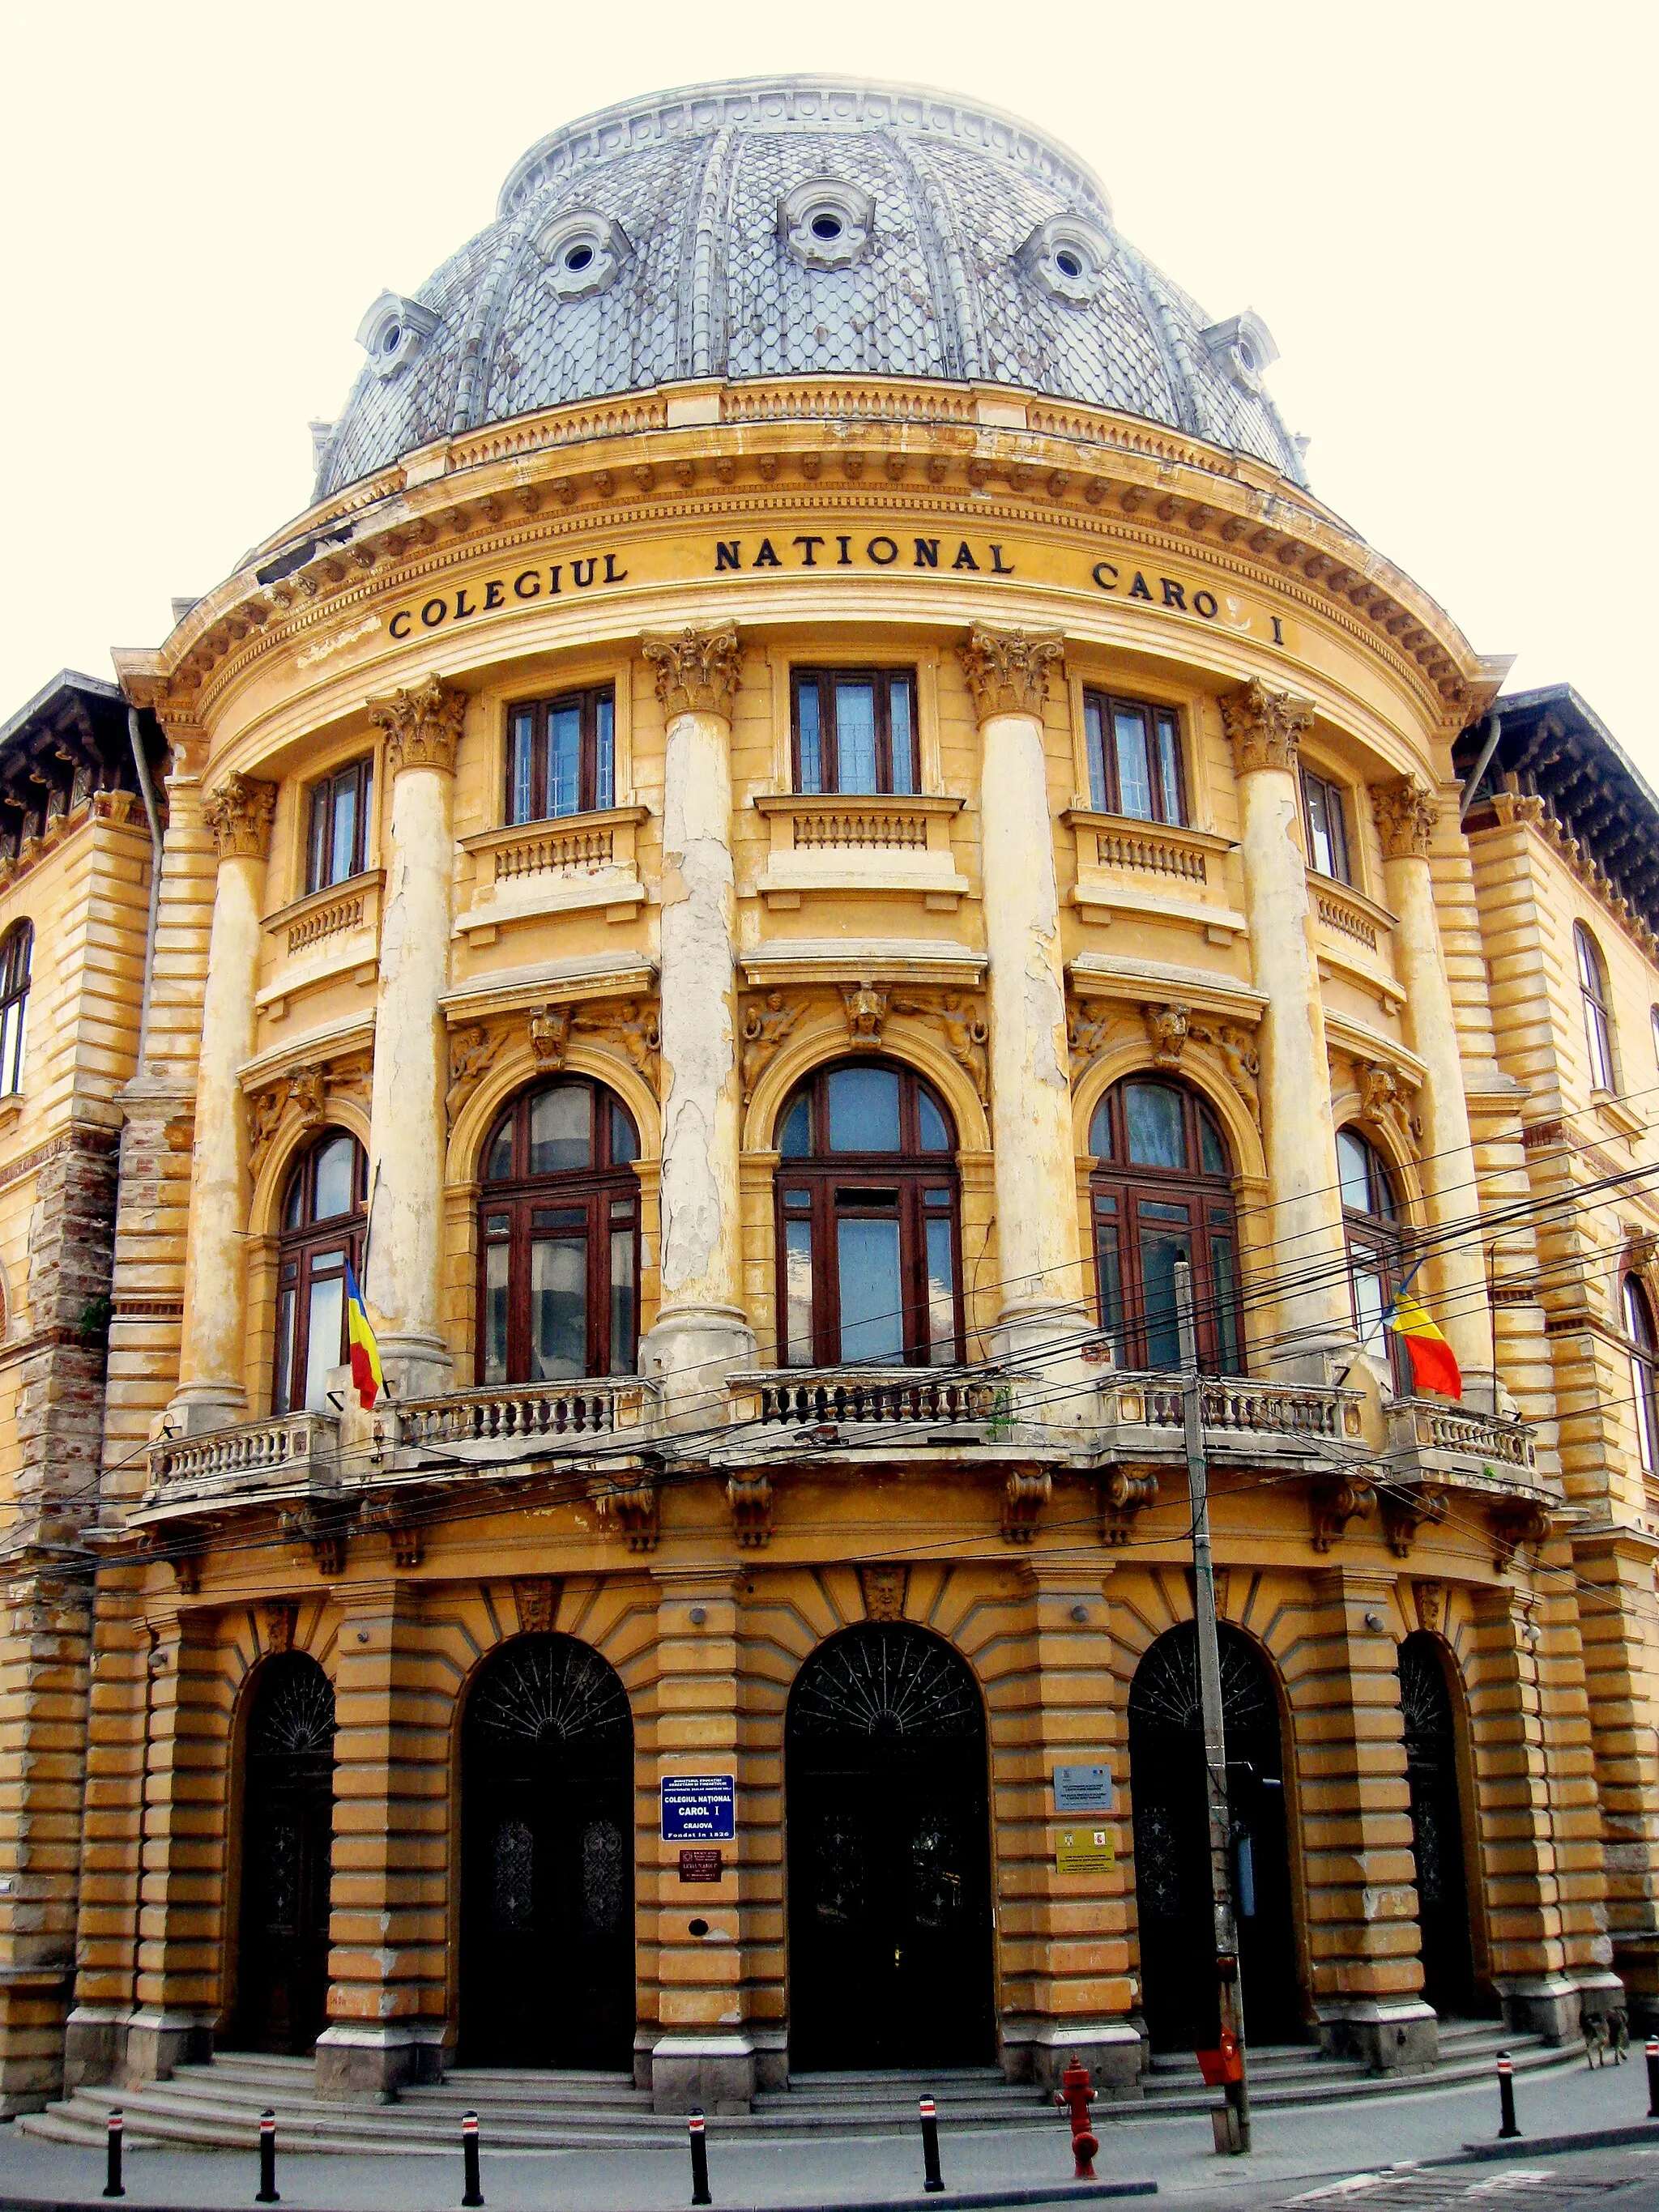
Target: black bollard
x=267 y=2159
x=112 y=2180
x=693 y=2128
x=1653 y=2077
x=1506 y=2096
x=472 y=2193
x=935 y=2180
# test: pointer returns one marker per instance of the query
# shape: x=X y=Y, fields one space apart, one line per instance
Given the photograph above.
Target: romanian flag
x=1433 y=1367
x=365 y=1352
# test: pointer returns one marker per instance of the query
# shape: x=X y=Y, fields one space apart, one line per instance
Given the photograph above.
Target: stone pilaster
x=211 y=1393
x=181 y=1854
x=1314 y=1320
x=402 y=1264
x=1622 y=1668
x=702 y=1324
x=1039 y=1245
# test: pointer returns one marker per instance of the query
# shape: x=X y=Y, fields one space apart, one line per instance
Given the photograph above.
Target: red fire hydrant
x=1074 y=2096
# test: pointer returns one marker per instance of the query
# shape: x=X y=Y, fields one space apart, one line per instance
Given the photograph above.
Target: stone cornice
x=698 y=671
x=1406 y=813
x=421 y=725
x=1264 y=726
x=238 y=811
x=1007 y=672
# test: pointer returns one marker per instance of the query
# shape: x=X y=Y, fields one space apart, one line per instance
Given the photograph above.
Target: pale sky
x=1443 y=213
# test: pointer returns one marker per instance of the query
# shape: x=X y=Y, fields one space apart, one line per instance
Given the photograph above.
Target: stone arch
x=1390 y=1147
x=517 y=1069
x=293 y=1138
x=822 y=1040
x=1201 y=1071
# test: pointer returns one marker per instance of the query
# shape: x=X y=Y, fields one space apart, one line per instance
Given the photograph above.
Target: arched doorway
x=288 y=1834
x=547 y=1925
x=1443 y=1898
x=1172 y=1845
x=889 y=1877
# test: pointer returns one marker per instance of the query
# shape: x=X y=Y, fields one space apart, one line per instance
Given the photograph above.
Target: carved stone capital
x=697 y=672
x=421 y=725
x=1264 y=726
x=1406 y=815
x=238 y=811
x=1007 y=672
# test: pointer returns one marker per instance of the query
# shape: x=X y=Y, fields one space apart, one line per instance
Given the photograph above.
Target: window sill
x=1153 y=870
x=529 y=869
x=1618 y=1113
x=860 y=843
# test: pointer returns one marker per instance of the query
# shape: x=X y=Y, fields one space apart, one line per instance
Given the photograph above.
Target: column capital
x=1007 y=672
x=1266 y=726
x=1406 y=815
x=698 y=671
x=422 y=726
x=238 y=811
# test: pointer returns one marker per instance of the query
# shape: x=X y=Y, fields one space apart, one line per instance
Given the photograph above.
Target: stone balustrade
x=288 y=1451
x=1428 y=1437
x=834 y=1397
x=527 y=1421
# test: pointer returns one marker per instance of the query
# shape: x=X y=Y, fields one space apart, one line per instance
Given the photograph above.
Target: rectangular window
x=797 y=1292
x=323 y=1325
x=867 y=1280
x=624 y=1295
x=561 y=755
x=1134 y=759
x=558 y=1308
x=941 y=1259
x=338 y=843
x=1327 y=837
x=854 y=729
x=498 y=1258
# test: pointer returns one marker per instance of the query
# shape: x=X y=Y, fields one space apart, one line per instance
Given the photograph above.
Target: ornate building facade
x=813 y=804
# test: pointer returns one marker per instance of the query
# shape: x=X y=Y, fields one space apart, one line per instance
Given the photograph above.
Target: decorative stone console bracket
x=1335 y=1500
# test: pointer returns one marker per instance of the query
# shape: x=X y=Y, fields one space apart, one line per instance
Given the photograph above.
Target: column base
x=1545 y=2004
x=1387 y=2038
x=372 y=2064
x=1046 y=1343
x=199 y=1408
x=702 y=2073
x=94 y=2046
x=1039 y=2051
x=156 y=2042
x=690 y=1351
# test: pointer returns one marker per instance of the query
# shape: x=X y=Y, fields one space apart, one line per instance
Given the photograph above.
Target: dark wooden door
x=889 y=1921
x=548 y=1859
x=1443 y=1898
x=287 y=1824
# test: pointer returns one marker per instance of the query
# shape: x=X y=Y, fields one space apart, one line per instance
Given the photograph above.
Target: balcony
x=499 y=1427
x=1245 y=1423
x=288 y=1454
x=1128 y=866
x=792 y=1402
x=831 y=842
x=332 y=933
x=531 y=869
x=1356 y=936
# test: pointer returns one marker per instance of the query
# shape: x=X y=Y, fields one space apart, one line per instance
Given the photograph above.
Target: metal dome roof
x=803 y=226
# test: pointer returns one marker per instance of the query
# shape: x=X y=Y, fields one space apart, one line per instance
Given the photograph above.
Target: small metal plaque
x=1086 y=1851
x=1083 y=1789
x=702 y=1866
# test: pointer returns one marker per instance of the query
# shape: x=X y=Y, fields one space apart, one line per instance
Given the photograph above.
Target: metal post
x=935 y=2180
x=112 y=2180
x=471 y=2191
x=694 y=2129
x=267 y=2159
x=1653 y=2077
x=1506 y=2096
x=1228 y=1987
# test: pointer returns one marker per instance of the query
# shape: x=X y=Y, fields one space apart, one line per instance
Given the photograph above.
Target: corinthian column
x=1303 y=1232
x=1406 y=815
x=701 y=1325
x=402 y=1267
x=1039 y=1253
x=210 y=1395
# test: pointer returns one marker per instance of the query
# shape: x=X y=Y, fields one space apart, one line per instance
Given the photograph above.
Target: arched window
x=322 y=1232
x=869 y=1241
x=1370 y=1218
x=16 y=950
x=1644 y=1370
x=1598 y=1008
x=1162 y=1190
x=559 y=1238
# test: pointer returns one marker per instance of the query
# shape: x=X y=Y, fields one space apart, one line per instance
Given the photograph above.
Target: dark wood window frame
x=301 y=1242
x=1166 y=770
x=898 y=1184
x=355 y=778
x=1598 y=1010
x=821 y=683
x=1637 y=1312
x=16 y=962
x=568 y=1205
x=1319 y=790
x=527 y=778
x=1377 y=1243
x=1123 y=1196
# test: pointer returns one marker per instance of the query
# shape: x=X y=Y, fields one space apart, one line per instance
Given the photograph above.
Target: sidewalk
x=1293 y=2149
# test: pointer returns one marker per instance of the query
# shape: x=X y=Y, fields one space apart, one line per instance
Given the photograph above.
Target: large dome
x=804 y=226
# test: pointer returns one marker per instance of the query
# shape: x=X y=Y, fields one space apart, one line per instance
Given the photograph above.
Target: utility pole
x=1232 y=2123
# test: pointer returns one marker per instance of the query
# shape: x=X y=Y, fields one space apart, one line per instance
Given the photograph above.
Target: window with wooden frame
x=561 y=755
x=1162 y=1190
x=1644 y=1370
x=559 y=1238
x=336 y=841
x=1325 y=818
x=854 y=729
x=16 y=956
x=868 y=1223
x=1134 y=759
x=322 y=1234
x=1598 y=1008
x=1376 y=1244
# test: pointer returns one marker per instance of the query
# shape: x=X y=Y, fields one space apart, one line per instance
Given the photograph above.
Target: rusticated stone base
x=702 y=2073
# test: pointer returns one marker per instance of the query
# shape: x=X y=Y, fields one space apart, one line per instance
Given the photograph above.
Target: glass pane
x=625 y=1144
x=904 y=732
x=520 y=792
x=343 y=859
x=1159 y=1251
x=1134 y=767
x=294 y=1204
x=935 y=1136
x=279 y=1400
x=867 y=1255
x=322 y=1339
x=335 y=1178
x=1352 y=1165
x=795 y=1138
x=856 y=736
x=1225 y=1282
x=1641 y=1383
x=1588 y=966
x=1369 y=1305
x=1212 y=1151
x=564 y=760
x=941 y=1294
x=604 y=752
x=317 y=853
x=864 y=1110
x=10 y=1025
x=496 y=1259
x=558 y=1308
x=1151 y=1114
x=622 y=1300
x=1637 y=1325
x=499 y=1166
x=1100 y=1133
x=1601 y=1045
x=1319 y=828
x=1111 y=1287
x=1094 y=741
x=798 y=1294
x=812 y=749
x=561 y=1129
x=1168 y=760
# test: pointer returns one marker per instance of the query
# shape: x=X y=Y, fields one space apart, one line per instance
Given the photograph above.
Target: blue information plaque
x=698 y=1808
x=1083 y=1789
